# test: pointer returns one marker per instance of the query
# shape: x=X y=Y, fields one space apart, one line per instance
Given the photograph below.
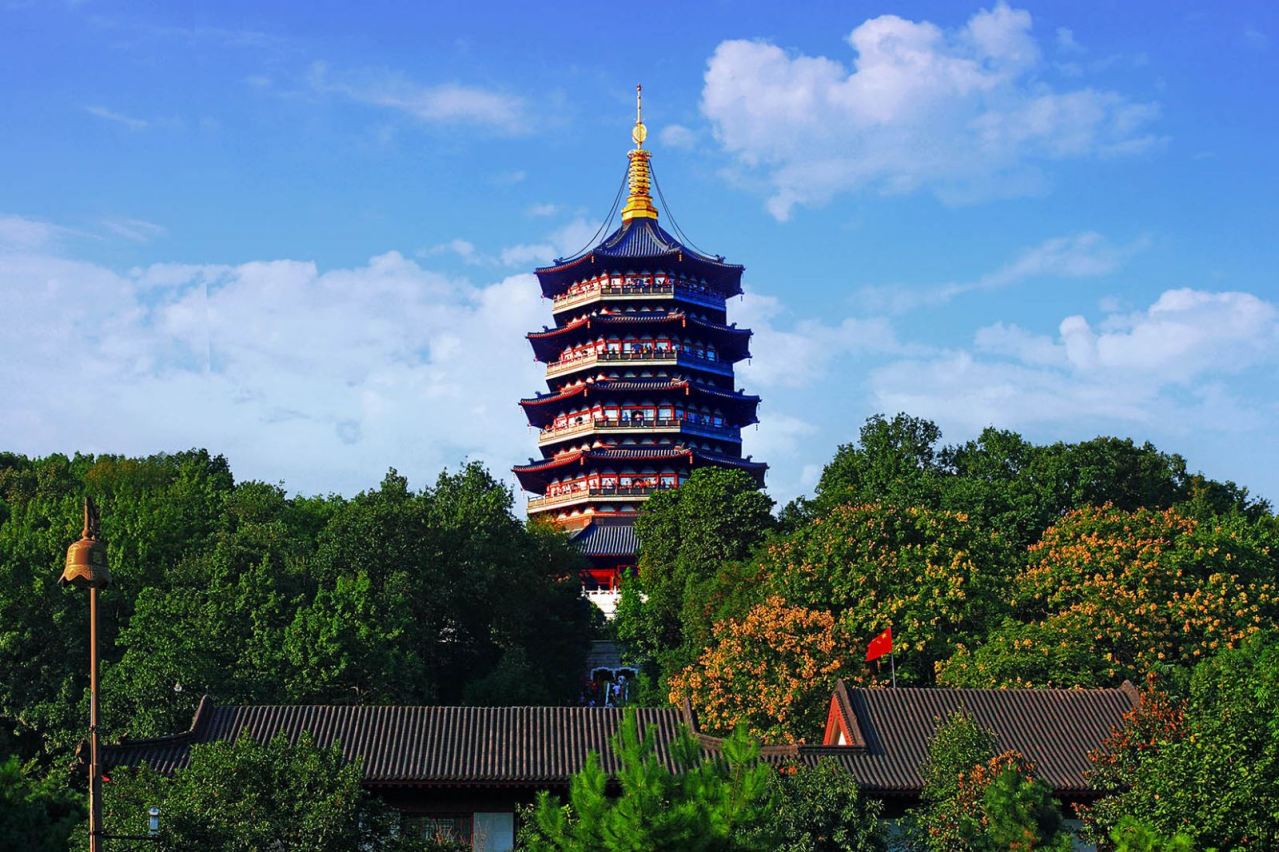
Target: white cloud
x=1085 y=255
x=465 y=249
x=322 y=379
x=964 y=113
x=563 y=242
x=134 y=230
x=1161 y=367
x=545 y=209
x=441 y=103
x=117 y=117
x=20 y=232
x=798 y=353
x=677 y=136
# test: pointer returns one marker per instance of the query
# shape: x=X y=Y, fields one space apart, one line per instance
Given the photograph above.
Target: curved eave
x=536 y=476
x=547 y=345
x=542 y=409
x=641 y=245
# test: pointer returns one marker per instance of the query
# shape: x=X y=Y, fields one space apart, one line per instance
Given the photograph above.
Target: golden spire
x=639 y=204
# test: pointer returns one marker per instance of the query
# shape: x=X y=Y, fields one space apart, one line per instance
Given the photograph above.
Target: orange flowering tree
x=1110 y=594
x=771 y=670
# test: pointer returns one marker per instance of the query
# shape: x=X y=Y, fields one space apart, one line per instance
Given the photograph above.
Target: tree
x=819 y=808
x=1007 y=484
x=1206 y=766
x=979 y=800
x=37 y=814
x=893 y=461
x=154 y=509
x=771 y=671
x=690 y=539
x=246 y=795
x=709 y=804
x=1111 y=594
x=934 y=576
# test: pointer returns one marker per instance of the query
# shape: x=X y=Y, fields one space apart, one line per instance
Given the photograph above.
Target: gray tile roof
x=452 y=746
x=1054 y=728
x=427 y=746
x=607 y=539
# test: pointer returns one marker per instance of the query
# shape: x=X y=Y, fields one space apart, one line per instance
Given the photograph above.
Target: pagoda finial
x=639 y=204
x=640 y=132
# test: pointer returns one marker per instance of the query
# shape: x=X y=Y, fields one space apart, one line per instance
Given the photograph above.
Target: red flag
x=880 y=645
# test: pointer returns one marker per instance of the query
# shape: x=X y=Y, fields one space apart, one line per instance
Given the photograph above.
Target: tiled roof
x=451 y=746
x=641 y=245
x=608 y=537
x=427 y=746
x=1054 y=728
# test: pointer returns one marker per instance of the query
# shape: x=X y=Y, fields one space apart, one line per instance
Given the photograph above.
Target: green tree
x=893 y=461
x=153 y=510
x=1006 y=483
x=832 y=585
x=1133 y=835
x=248 y=795
x=819 y=808
x=710 y=804
x=936 y=577
x=1207 y=767
x=37 y=814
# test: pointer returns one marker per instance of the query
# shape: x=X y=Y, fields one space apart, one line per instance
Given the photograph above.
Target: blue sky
x=301 y=236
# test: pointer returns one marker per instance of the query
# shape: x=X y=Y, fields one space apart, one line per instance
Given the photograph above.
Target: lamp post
x=87 y=569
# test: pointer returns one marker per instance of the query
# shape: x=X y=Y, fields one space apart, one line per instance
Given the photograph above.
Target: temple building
x=639 y=366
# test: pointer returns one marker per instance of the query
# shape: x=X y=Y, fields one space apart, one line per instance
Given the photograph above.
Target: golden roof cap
x=639 y=204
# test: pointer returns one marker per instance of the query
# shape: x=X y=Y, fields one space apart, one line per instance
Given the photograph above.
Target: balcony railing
x=579 y=494
x=553 y=433
x=636 y=291
x=654 y=357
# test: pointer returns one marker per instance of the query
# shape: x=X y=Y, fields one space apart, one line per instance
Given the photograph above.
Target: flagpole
x=892 y=661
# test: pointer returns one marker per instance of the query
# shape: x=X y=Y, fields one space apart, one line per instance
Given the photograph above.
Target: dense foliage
x=1109 y=594
x=249 y=795
x=37 y=811
x=996 y=562
x=1206 y=766
x=243 y=592
x=819 y=808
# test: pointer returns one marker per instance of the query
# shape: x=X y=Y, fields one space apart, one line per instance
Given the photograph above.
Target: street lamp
x=87 y=569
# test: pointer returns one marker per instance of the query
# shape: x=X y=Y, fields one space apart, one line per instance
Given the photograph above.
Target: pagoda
x=639 y=366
